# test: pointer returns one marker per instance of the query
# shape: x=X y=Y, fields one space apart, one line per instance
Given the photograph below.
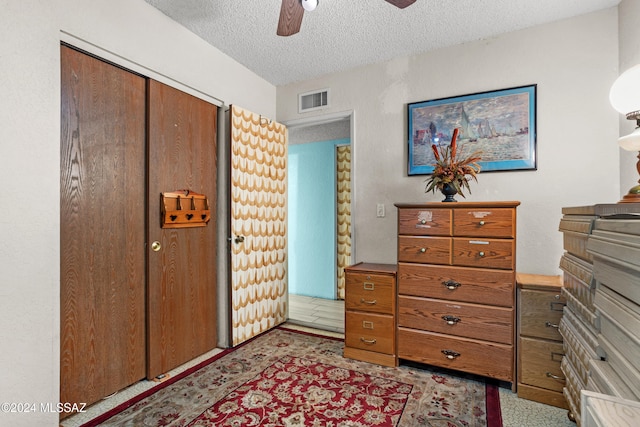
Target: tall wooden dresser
x=601 y=321
x=579 y=325
x=615 y=246
x=456 y=286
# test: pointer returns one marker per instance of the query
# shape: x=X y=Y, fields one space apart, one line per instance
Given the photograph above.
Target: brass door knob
x=156 y=246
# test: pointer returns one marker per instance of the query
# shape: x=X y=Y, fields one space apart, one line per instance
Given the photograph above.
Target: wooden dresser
x=601 y=410
x=456 y=286
x=370 y=313
x=540 y=350
x=615 y=246
x=601 y=322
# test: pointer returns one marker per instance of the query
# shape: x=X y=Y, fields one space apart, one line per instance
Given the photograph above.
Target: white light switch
x=380 y=210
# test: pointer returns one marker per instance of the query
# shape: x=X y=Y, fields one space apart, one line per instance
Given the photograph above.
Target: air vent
x=313 y=100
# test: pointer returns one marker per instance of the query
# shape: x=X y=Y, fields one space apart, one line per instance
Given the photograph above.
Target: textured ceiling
x=343 y=34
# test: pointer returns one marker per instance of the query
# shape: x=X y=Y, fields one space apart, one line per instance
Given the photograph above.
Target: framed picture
x=501 y=124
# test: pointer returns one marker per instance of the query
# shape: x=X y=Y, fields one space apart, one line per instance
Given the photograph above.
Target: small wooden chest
x=370 y=310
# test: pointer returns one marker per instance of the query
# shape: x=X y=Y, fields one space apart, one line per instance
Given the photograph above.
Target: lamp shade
x=625 y=92
x=630 y=142
x=309 y=5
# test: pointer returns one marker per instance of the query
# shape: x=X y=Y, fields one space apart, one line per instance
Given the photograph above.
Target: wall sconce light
x=625 y=98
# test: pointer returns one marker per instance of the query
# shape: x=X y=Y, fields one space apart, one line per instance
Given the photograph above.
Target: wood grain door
x=258 y=224
x=181 y=288
x=102 y=228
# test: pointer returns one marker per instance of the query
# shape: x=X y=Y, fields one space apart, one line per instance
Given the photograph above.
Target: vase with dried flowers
x=453 y=170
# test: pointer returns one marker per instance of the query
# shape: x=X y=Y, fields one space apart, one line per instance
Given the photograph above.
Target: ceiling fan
x=291 y=12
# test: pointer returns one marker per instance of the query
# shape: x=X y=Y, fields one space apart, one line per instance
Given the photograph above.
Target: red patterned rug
x=287 y=378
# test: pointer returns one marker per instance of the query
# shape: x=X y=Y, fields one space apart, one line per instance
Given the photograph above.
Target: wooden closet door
x=102 y=226
x=181 y=305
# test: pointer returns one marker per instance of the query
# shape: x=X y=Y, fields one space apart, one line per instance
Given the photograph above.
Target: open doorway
x=319 y=221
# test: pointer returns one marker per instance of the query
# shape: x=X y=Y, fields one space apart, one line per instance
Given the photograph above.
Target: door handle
x=156 y=246
x=239 y=239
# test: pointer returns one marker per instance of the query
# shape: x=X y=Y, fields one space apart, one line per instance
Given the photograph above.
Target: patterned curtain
x=258 y=224
x=343 y=192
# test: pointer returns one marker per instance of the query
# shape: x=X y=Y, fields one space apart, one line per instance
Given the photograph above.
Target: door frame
x=328 y=119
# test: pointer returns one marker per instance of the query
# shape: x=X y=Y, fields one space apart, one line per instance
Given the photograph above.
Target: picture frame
x=499 y=123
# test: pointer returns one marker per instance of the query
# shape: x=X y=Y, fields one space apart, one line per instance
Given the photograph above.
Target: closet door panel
x=258 y=224
x=102 y=223
x=181 y=285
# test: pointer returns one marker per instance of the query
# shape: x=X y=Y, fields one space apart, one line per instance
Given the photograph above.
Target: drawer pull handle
x=366 y=341
x=451 y=320
x=555 y=377
x=481 y=253
x=423 y=250
x=481 y=223
x=423 y=221
x=374 y=302
x=551 y=325
x=368 y=286
x=451 y=284
x=556 y=306
x=450 y=354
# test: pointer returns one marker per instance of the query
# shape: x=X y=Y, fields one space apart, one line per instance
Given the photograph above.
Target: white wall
x=134 y=33
x=629 y=36
x=573 y=62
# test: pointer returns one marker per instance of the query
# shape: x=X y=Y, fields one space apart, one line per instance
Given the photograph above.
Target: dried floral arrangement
x=453 y=168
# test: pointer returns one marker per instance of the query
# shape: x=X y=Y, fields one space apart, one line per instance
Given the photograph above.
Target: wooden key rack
x=183 y=209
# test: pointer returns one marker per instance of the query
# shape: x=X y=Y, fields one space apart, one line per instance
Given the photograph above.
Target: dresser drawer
x=486 y=253
x=456 y=318
x=425 y=222
x=540 y=313
x=432 y=250
x=370 y=292
x=473 y=356
x=367 y=331
x=484 y=222
x=482 y=286
x=540 y=363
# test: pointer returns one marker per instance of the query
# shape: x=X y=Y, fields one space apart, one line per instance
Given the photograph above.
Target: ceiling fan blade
x=401 y=3
x=291 y=12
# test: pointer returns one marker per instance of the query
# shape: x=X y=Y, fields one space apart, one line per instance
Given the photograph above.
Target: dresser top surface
x=458 y=205
x=539 y=282
x=362 y=267
x=603 y=209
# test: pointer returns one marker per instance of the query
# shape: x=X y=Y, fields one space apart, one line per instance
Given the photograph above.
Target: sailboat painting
x=501 y=124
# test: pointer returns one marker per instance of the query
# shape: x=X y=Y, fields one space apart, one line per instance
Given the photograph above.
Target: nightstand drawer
x=540 y=363
x=425 y=222
x=370 y=292
x=366 y=331
x=455 y=318
x=432 y=250
x=540 y=313
x=484 y=222
x=486 y=253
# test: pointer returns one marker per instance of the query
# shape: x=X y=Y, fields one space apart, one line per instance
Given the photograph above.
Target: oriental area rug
x=289 y=378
